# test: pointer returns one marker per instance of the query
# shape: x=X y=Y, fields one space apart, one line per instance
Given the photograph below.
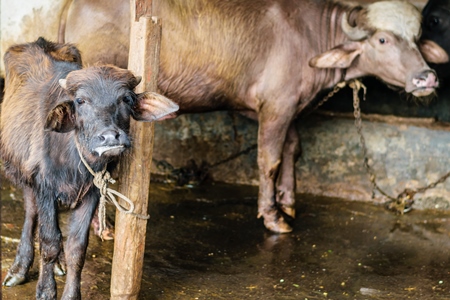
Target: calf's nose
x=111 y=142
x=109 y=137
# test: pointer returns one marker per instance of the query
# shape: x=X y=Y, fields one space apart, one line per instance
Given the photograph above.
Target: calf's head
x=382 y=43
x=101 y=102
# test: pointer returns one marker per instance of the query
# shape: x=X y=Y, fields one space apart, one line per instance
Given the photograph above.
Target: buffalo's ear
x=340 y=56
x=61 y=118
x=432 y=52
x=152 y=106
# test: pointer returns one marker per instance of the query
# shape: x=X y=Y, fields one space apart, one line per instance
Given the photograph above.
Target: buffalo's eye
x=382 y=40
x=79 y=100
x=433 y=21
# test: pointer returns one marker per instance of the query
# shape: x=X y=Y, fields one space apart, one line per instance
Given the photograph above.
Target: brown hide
x=269 y=59
x=103 y=32
x=25 y=80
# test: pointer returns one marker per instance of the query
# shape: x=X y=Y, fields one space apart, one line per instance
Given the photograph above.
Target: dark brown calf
x=53 y=112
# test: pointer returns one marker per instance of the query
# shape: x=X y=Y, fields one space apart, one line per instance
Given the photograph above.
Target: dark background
x=383 y=100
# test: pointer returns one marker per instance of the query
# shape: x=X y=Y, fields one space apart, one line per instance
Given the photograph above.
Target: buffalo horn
x=353 y=32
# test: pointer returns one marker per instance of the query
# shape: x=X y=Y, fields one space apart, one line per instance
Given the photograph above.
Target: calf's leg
x=18 y=272
x=77 y=243
x=50 y=240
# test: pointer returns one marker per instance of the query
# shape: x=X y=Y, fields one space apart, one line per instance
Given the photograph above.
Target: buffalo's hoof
x=13 y=280
x=277 y=225
x=290 y=211
x=107 y=234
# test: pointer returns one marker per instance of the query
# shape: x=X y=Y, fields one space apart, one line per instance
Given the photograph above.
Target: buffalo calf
x=53 y=112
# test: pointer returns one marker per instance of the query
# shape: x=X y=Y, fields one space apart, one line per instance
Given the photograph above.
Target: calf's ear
x=63 y=83
x=432 y=52
x=152 y=106
x=61 y=118
x=340 y=57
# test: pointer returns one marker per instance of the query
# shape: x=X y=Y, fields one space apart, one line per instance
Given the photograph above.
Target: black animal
x=436 y=28
x=54 y=111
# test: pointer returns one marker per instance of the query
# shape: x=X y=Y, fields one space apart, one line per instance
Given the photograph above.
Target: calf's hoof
x=59 y=269
x=13 y=280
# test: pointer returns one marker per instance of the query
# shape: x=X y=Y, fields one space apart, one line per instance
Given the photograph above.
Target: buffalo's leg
x=285 y=195
x=273 y=127
x=50 y=240
x=76 y=245
x=23 y=261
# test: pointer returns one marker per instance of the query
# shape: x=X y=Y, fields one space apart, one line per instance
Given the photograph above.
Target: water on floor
x=206 y=243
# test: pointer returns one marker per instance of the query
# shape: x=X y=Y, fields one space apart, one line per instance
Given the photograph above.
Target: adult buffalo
x=436 y=30
x=53 y=115
x=267 y=59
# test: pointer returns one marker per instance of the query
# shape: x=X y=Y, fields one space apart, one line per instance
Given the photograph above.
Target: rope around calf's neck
x=101 y=181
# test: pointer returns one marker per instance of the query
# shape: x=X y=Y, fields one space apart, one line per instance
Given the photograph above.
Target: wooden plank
x=142 y=8
x=130 y=231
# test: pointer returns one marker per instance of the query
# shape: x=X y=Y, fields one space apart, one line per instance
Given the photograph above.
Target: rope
x=101 y=181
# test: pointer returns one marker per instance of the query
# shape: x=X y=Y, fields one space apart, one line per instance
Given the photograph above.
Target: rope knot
x=101 y=181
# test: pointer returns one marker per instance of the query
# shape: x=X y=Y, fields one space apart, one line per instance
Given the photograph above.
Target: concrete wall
x=25 y=20
x=403 y=152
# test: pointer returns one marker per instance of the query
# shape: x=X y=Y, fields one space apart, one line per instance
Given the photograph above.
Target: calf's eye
x=79 y=100
x=382 y=41
x=128 y=100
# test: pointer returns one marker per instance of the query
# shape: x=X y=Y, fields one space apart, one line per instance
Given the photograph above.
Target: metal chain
x=404 y=201
x=401 y=204
x=337 y=88
x=356 y=85
x=178 y=175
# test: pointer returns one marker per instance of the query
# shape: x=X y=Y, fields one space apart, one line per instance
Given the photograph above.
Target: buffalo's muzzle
x=424 y=83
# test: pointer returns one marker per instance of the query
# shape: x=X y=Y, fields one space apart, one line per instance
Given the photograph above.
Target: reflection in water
x=207 y=243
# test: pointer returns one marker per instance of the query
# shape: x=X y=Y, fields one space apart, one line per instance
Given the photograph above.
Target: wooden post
x=130 y=231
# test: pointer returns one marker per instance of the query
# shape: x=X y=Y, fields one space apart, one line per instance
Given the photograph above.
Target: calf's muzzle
x=111 y=142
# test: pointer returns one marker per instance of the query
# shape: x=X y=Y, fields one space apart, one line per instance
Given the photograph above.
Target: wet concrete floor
x=206 y=243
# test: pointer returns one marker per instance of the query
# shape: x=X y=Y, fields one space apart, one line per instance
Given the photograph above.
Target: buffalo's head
x=101 y=103
x=381 y=41
x=435 y=41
